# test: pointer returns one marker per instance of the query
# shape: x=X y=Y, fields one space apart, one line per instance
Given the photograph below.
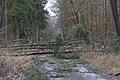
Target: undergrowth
x=66 y=68
x=113 y=46
x=68 y=56
x=4 y=67
x=33 y=72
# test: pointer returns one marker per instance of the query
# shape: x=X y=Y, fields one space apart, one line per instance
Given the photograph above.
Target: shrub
x=59 y=46
x=113 y=46
x=81 y=33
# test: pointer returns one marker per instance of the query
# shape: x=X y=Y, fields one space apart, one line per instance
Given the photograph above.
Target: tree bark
x=115 y=16
x=2 y=8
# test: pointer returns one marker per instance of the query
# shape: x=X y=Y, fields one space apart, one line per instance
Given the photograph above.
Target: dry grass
x=18 y=63
x=3 y=51
x=106 y=62
x=14 y=64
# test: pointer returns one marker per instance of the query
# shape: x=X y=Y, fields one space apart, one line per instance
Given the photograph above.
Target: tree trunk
x=2 y=8
x=115 y=16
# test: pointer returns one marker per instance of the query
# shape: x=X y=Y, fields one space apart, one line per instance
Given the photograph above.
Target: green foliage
x=66 y=68
x=68 y=56
x=81 y=33
x=80 y=61
x=59 y=49
x=26 y=16
x=32 y=73
x=59 y=46
x=51 y=62
x=113 y=46
x=48 y=34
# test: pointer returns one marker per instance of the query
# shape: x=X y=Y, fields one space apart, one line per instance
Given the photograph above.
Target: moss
x=68 y=56
x=51 y=62
x=80 y=61
x=66 y=68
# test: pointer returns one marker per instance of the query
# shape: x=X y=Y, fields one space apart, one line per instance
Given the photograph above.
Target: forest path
x=64 y=69
x=58 y=69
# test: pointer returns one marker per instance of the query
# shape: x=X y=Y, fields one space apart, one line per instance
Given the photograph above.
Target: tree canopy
x=27 y=17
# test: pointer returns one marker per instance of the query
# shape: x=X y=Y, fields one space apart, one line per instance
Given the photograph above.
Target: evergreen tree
x=27 y=18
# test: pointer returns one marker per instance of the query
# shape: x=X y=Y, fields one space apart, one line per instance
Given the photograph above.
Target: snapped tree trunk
x=115 y=16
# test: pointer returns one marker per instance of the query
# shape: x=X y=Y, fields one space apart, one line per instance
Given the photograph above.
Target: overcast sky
x=48 y=6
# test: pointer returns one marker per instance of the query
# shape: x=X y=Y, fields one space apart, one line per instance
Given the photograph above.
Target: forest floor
x=109 y=63
x=65 y=69
x=90 y=66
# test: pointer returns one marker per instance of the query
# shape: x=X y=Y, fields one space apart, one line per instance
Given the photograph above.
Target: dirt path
x=62 y=69
x=68 y=70
x=81 y=74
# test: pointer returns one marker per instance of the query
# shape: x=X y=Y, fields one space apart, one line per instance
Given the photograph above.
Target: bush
x=59 y=46
x=81 y=33
x=113 y=46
